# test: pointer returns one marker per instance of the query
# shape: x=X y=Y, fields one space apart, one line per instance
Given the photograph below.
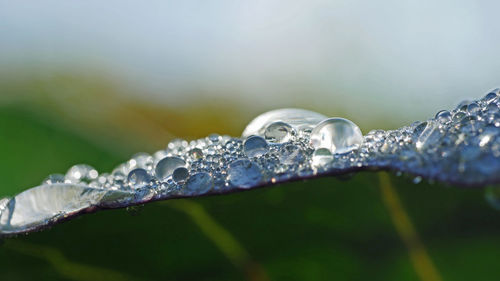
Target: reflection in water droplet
x=81 y=173
x=180 y=175
x=279 y=132
x=321 y=157
x=165 y=168
x=244 y=173
x=492 y=195
x=299 y=119
x=338 y=135
x=139 y=178
x=54 y=178
x=199 y=183
x=255 y=146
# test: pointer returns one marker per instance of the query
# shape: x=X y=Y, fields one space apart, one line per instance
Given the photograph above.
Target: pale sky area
x=406 y=59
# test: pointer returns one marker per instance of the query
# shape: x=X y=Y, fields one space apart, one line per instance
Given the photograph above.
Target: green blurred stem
x=222 y=238
x=68 y=269
x=421 y=261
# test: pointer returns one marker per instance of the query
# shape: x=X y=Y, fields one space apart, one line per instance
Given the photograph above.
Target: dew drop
x=321 y=157
x=291 y=154
x=180 y=175
x=195 y=153
x=490 y=97
x=279 y=132
x=81 y=173
x=199 y=183
x=255 y=146
x=299 y=119
x=443 y=116
x=54 y=178
x=338 y=135
x=244 y=173
x=167 y=165
x=139 y=178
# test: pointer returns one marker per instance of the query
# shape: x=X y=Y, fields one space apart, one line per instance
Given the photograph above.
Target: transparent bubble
x=139 y=178
x=443 y=116
x=255 y=146
x=279 y=132
x=299 y=119
x=338 y=135
x=81 y=174
x=195 y=153
x=244 y=173
x=167 y=165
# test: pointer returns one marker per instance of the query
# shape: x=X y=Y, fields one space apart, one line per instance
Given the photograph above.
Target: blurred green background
x=92 y=82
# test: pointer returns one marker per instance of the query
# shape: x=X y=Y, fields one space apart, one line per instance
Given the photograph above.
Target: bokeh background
x=95 y=82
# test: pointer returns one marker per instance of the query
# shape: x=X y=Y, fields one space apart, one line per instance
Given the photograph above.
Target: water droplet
x=244 y=173
x=291 y=154
x=199 y=183
x=338 y=135
x=489 y=97
x=139 y=178
x=443 y=116
x=255 y=146
x=321 y=157
x=279 y=132
x=492 y=195
x=299 y=119
x=195 y=153
x=54 y=178
x=165 y=168
x=180 y=175
x=81 y=173
x=426 y=135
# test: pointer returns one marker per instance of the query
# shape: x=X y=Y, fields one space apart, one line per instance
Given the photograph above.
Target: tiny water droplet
x=180 y=175
x=139 y=178
x=195 y=153
x=244 y=173
x=165 y=168
x=443 y=116
x=338 y=135
x=279 y=132
x=255 y=146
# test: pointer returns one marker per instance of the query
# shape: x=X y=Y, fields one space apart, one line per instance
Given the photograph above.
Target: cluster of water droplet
x=461 y=146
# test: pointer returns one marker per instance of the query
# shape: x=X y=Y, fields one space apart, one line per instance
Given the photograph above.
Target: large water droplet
x=279 y=132
x=255 y=146
x=81 y=173
x=139 y=178
x=338 y=135
x=244 y=173
x=299 y=119
x=427 y=134
x=199 y=183
x=165 y=168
